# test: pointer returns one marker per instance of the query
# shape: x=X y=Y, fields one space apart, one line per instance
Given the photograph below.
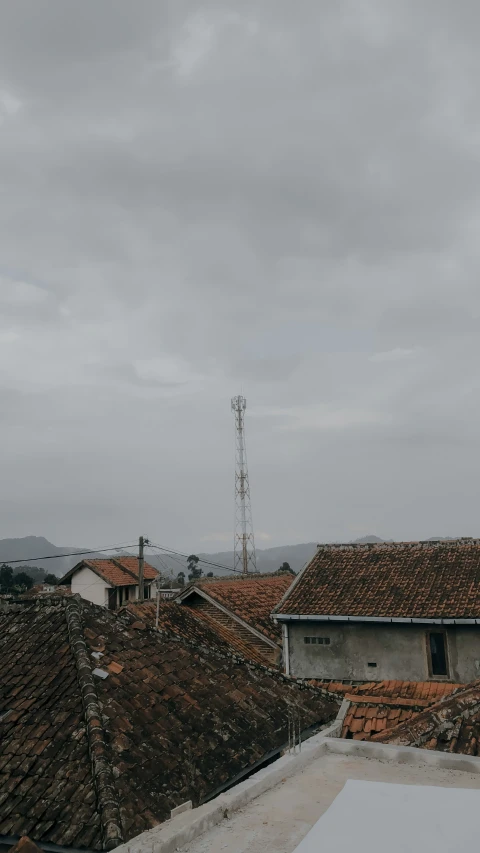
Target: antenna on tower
x=244 y=542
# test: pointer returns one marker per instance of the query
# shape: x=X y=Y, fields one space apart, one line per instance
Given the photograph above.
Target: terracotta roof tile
x=451 y=724
x=24 y=845
x=400 y=580
x=383 y=704
x=195 y=626
x=119 y=571
x=172 y=719
x=252 y=599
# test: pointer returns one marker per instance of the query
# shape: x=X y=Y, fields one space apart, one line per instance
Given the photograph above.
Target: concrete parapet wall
x=184 y=828
x=404 y=754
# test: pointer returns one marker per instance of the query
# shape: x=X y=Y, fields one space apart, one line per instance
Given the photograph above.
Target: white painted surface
x=185 y=807
x=372 y=816
x=87 y=584
x=277 y=820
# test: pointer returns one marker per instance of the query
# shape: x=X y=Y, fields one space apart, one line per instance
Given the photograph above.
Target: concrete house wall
x=91 y=587
x=87 y=584
x=399 y=651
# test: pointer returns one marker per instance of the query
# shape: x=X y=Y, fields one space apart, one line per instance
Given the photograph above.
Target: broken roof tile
x=451 y=724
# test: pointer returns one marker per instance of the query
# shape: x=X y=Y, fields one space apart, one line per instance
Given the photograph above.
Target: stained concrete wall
x=400 y=651
x=87 y=584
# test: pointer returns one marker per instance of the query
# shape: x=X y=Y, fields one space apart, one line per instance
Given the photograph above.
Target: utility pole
x=141 y=568
x=244 y=542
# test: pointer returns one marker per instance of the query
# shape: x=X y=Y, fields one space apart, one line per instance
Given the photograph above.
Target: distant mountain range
x=37 y=546
x=268 y=559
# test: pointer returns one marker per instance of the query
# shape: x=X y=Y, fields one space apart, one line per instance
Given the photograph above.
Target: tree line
x=16 y=582
x=195 y=571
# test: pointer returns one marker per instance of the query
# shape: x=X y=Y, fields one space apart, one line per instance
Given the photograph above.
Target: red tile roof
x=116 y=571
x=194 y=626
x=450 y=725
x=377 y=708
x=400 y=580
x=250 y=598
x=88 y=761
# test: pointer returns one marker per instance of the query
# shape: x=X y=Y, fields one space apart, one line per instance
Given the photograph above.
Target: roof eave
x=326 y=617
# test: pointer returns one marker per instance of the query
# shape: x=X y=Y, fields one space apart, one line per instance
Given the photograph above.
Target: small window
x=317 y=641
x=371 y=663
x=437 y=653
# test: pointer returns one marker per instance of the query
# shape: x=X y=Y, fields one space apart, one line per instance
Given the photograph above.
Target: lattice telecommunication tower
x=244 y=542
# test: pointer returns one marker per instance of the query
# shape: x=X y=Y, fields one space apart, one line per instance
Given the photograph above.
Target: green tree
x=194 y=570
x=181 y=578
x=285 y=569
x=209 y=574
x=51 y=580
x=6 y=578
x=22 y=581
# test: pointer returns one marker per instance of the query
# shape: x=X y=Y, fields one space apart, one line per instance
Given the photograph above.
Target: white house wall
x=87 y=584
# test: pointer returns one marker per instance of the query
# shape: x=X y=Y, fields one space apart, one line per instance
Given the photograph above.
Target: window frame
x=431 y=674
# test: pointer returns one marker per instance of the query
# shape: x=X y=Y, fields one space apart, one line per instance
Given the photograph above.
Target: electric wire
x=28 y=560
x=200 y=559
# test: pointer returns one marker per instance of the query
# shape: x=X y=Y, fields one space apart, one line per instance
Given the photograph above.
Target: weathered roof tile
x=418 y=580
x=251 y=598
x=451 y=724
x=173 y=707
x=118 y=571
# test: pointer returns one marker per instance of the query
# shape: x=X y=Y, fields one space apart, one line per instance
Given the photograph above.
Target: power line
x=207 y=562
x=174 y=554
x=71 y=554
x=162 y=562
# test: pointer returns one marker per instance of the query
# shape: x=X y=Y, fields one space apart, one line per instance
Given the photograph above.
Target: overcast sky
x=199 y=198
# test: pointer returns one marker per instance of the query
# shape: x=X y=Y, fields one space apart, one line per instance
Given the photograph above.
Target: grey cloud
x=275 y=194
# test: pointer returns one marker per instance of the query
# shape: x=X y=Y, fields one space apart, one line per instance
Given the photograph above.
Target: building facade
x=111 y=582
x=406 y=611
x=359 y=651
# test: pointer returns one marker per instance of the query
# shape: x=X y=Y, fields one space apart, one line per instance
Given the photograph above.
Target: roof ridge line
x=124 y=568
x=410 y=543
x=100 y=764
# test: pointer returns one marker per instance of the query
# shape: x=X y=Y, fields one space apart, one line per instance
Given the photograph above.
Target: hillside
x=268 y=559
x=28 y=547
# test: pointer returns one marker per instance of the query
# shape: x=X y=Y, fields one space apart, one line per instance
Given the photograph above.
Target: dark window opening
x=371 y=663
x=319 y=641
x=438 y=653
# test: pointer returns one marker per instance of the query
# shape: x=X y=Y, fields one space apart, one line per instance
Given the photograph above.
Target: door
x=112 y=599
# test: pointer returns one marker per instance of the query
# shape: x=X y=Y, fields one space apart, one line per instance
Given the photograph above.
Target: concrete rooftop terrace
x=275 y=809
